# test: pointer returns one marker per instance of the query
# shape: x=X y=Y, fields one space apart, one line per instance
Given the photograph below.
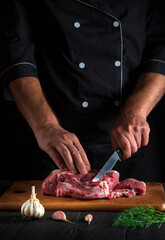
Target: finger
x=125 y=147
x=55 y=156
x=79 y=163
x=133 y=137
x=83 y=155
x=145 y=137
x=137 y=135
x=66 y=155
x=125 y=141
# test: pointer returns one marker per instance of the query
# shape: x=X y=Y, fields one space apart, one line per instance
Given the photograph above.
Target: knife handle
x=119 y=153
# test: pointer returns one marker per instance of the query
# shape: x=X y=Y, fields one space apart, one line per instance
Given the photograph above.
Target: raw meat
x=128 y=188
x=138 y=187
x=80 y=186
x=122 y=193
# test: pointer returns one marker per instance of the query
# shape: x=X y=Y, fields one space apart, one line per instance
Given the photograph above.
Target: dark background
x=19 y=149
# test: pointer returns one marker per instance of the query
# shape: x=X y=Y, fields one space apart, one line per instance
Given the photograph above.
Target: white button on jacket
x=85 y=104
x=81 y=65
x=76 y=24
x=117 y=63
x=115 y=23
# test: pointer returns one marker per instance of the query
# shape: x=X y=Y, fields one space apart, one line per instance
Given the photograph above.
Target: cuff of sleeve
x=153 y=65
x=18 y=70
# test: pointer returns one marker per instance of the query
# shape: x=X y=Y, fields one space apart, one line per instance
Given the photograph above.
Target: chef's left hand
x=130 y=132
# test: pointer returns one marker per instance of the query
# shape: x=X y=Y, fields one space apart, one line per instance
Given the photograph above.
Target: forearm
x=131 y=131
x=148 y=91
x=30 y=100
x=62 y=146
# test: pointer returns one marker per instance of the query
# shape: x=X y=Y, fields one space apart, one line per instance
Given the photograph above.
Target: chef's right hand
x=64 y=148
x=129 y=133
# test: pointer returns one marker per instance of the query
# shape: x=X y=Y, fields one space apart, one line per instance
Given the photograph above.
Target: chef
x=86 y=75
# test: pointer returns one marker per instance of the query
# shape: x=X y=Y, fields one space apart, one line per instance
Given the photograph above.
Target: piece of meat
x=121 y=193
x=128 y=188
x=79 y=186
x=130 y=183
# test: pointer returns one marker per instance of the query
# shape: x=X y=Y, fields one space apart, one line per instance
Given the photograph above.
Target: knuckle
x=81 y=152
x=125 y=146
x=137 y=128
x=129 y=128
x=65 y=136
x=64 y=152
x=74 y=137
x=55 y=156
x=146 y=126
x=74 y=153
x=146 y=131
x=47 y=147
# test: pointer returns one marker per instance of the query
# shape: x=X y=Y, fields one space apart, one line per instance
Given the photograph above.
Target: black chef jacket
x=88 y=55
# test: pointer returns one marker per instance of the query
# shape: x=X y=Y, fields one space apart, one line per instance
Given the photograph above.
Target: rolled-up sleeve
x=17 y=48
x=154 y=54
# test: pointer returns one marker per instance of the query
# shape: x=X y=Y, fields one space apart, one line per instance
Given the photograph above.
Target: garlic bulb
x=32 y=208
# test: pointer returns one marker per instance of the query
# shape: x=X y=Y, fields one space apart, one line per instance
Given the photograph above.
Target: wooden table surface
x=14 y=227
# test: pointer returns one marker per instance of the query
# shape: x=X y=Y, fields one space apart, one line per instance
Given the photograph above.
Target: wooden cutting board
x=20 y=191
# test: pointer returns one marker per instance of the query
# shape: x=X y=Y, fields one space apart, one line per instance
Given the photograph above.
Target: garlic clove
x=88 y=218
x=60 y=215
x=28 y=210
x=38 y=210
x=41 y=211
x=23 y=207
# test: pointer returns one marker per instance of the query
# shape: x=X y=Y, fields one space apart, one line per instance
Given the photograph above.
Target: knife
x=108 y=165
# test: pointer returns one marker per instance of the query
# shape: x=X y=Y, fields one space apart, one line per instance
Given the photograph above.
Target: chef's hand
x=130 y=133
x=64 y=148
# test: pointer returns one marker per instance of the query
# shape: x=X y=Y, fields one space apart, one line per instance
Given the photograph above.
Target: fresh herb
x=142 y=217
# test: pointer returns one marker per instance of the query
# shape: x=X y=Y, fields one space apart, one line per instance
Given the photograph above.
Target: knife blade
x=108 y=165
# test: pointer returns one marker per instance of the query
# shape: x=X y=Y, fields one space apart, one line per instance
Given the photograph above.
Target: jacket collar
x=101 y=5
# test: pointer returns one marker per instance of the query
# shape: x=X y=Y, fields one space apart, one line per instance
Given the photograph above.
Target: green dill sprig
x=143 y=217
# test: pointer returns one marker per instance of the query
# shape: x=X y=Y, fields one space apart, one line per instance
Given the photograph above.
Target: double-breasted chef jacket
x=88 y=55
